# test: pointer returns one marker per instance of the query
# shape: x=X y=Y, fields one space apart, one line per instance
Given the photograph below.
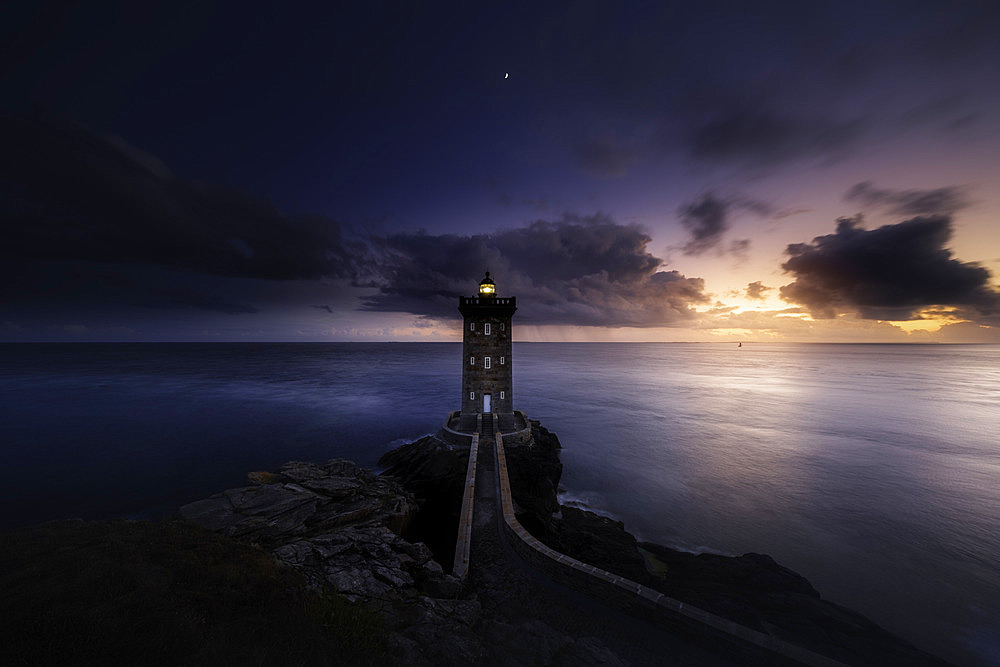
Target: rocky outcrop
x=597 y=541
x=433 y=471
x=534 y=470
x=339 y=526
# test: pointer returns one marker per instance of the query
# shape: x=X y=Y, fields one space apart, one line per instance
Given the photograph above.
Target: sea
x=873 y=470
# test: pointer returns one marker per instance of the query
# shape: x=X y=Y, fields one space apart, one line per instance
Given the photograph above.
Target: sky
x=631 y=171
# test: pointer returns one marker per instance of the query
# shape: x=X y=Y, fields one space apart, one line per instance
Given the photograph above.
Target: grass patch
x=654 y=565
x=264 y=477
x=168 y=593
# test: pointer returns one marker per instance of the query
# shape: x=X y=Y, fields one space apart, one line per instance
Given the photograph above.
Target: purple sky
x=713 y=171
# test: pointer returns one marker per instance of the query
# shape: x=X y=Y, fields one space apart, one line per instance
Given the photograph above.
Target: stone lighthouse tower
x=487 y=385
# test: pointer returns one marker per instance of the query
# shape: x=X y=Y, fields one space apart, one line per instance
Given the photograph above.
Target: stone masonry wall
x=477 y=346
x=463 y=544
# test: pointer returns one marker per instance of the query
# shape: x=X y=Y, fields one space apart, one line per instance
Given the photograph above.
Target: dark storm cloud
x=75 y=289
x=707 y=219
x=762 y=137
x=174 y=298
x=584 y=270
x=798 y=84
x=740 y=249
x=757 y=290
x=71 y=194
x=909 y=202
x=93 y=223
x=888 y=273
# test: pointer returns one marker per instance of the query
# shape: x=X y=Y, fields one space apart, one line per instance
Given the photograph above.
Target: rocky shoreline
x=332 y=564
x=329 y=563
x=339 y=526
x=752 y=589
x=364 y=536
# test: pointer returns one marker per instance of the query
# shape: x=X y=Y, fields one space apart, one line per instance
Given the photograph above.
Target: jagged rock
x=534 y=470
x=445 y=586
x=358 y=582
x=434 y=472
x=339 y=526
x=596 y=540
x=334 y=487
x=300 y=471
x=328 y=546
x=419 y=552
x=395 y=577
x=295 y=554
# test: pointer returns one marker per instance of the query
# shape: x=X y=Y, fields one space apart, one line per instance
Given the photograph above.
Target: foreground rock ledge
x=338 y=525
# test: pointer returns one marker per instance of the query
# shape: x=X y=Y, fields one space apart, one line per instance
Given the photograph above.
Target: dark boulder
x=434 y=472
x=534 y=470
x=598 y=541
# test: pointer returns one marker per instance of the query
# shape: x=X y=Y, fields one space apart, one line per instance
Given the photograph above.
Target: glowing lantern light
x=486 y=286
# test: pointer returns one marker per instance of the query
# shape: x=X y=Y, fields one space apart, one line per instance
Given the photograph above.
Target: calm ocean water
x=874 y=470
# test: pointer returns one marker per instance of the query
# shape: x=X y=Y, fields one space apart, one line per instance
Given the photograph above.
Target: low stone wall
x=451 y=436
x=523 y=434
x=629 y=595
x=460 y=439
x=463 y=543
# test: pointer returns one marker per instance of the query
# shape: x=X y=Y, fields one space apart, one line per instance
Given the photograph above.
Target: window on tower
x=502 y=395
x=472 y=326
x=501 y=326
x=486 y=329
x=472 y=361
x=501 y=361
x=486 y=363
x=472 y=395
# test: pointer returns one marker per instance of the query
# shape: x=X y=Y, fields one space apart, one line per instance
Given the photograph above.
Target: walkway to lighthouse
x=510 y=588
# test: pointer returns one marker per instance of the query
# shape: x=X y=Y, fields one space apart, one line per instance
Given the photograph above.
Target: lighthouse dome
x=486 y=286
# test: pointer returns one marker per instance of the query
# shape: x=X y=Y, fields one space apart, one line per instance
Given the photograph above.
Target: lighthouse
x=487 y=376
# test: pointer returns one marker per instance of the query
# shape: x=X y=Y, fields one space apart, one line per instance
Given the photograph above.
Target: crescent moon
x=506 y=75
